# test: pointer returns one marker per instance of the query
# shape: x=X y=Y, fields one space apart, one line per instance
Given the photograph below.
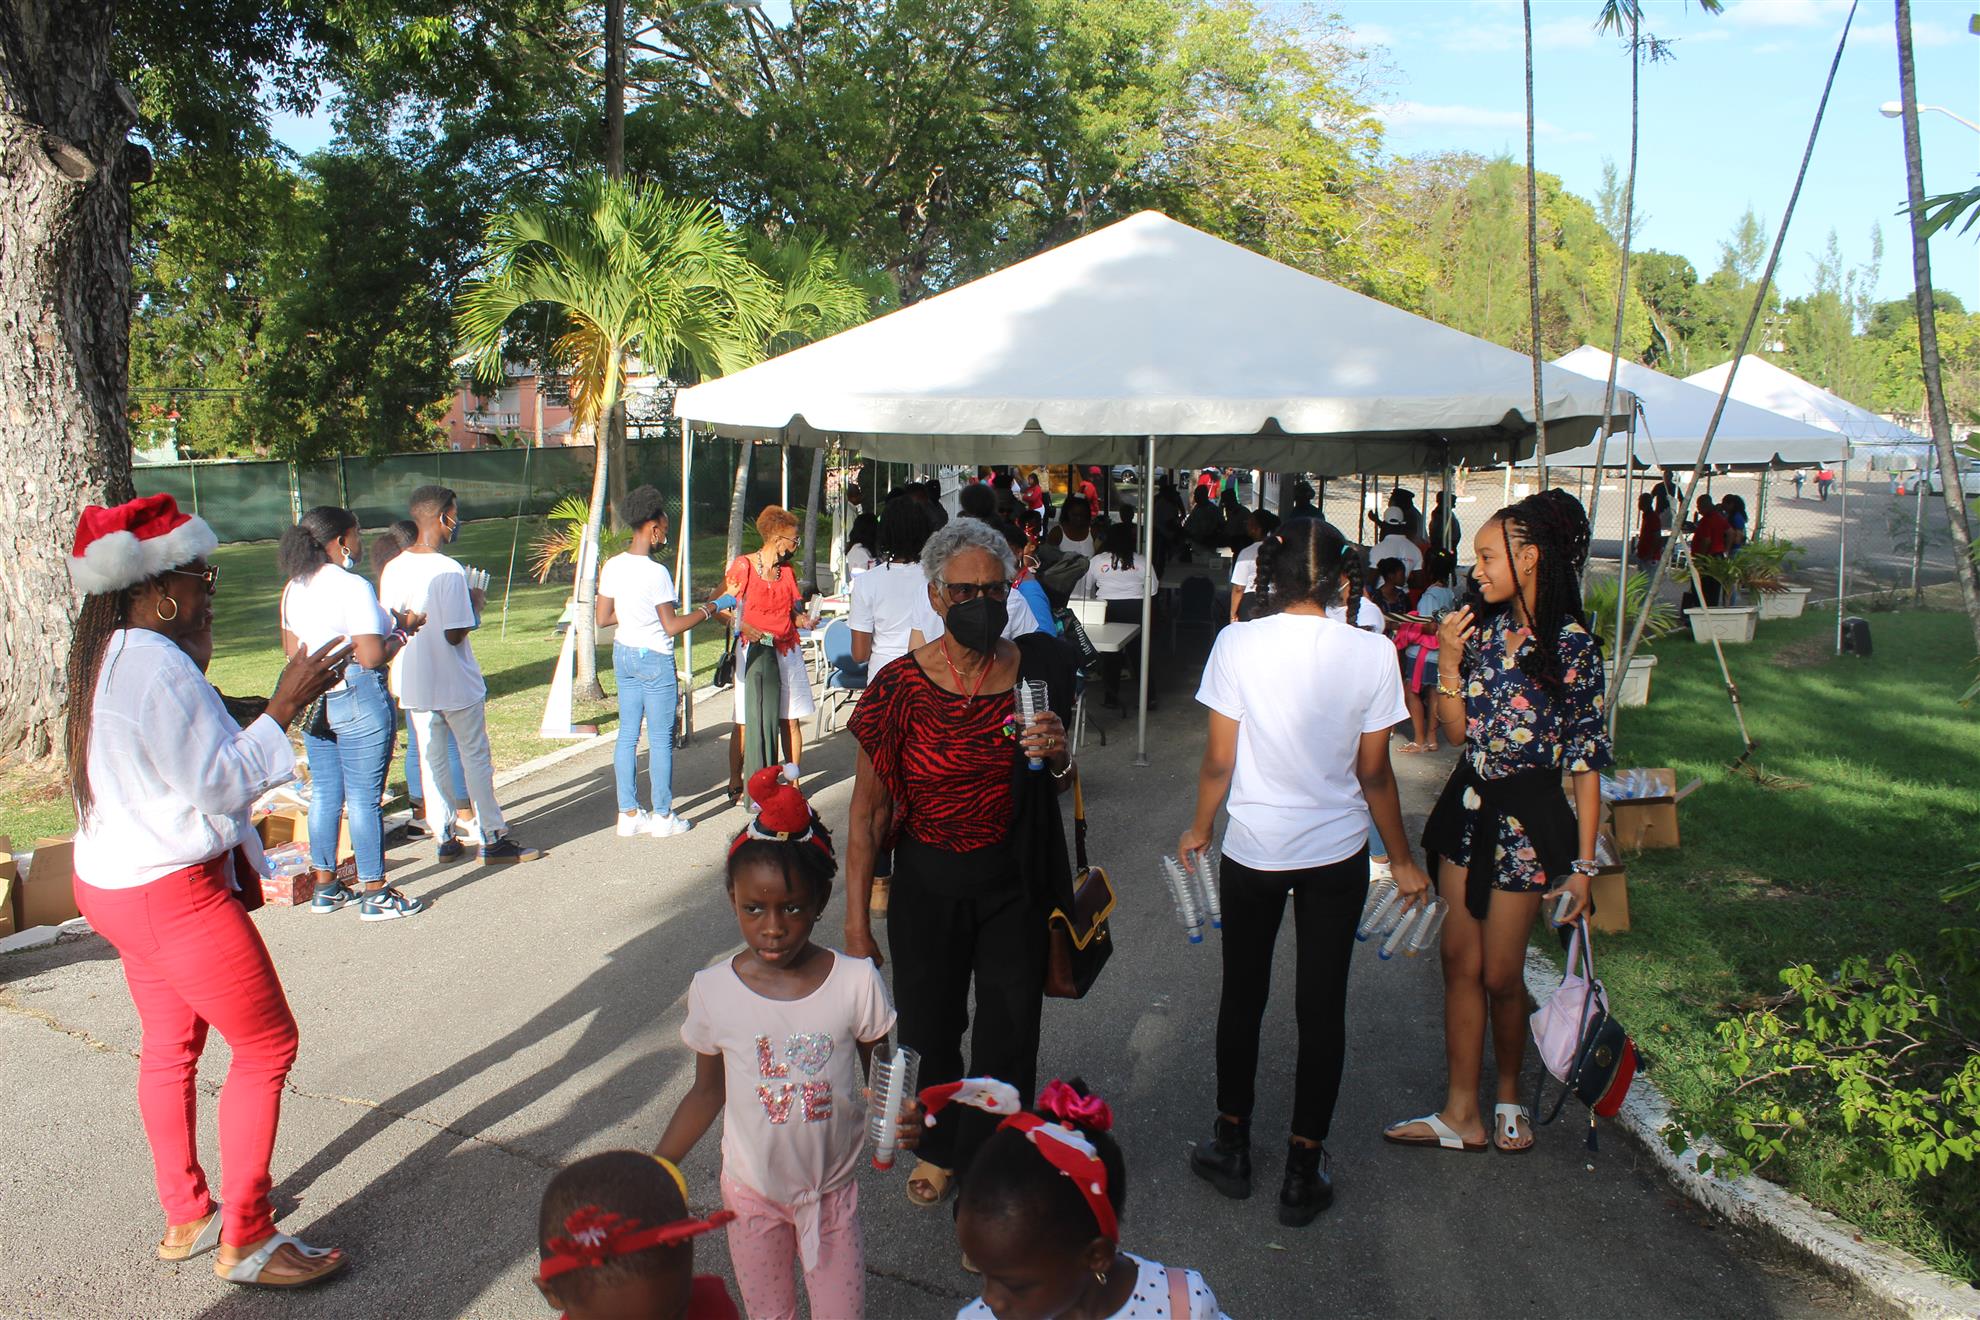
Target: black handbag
x=316 y=720
x=725 y=668
x=1081 y=941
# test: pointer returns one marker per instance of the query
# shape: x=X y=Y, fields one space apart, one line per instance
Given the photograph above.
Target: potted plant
x=1781 y=599
x=1599 y=600
x=1728 y=622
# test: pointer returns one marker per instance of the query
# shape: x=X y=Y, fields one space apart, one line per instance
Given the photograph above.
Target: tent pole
x=684 y=590
x=1147 y=600
x=784 y=476
x=1842 y=557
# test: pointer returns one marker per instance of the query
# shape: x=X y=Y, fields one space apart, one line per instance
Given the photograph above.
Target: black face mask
x=977 y=624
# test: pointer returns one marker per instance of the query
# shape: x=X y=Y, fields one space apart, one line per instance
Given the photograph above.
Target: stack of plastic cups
x=894 y=1075
x=1032 y=699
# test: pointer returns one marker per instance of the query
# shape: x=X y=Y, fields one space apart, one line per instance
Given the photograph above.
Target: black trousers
x=954 y=919
x=1327 y=903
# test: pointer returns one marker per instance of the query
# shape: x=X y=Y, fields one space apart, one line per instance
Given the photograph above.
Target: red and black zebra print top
x=945 y=762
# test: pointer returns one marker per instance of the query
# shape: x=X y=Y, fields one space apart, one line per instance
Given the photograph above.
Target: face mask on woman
x=978 y=623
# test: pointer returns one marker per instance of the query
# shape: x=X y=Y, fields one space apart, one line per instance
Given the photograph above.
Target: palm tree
x=635 y=275
x=1928 y=330
x=1617 y=15
x=816 y=294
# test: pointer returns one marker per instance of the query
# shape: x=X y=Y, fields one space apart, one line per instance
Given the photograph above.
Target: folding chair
x=845 y=677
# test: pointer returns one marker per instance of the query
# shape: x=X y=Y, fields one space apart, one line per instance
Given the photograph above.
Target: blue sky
x=1723 y=123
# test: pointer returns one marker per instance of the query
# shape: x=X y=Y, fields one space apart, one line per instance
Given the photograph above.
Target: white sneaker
x=665 y=825
x=637 y=823
x=1379 y=871
x=469 y=831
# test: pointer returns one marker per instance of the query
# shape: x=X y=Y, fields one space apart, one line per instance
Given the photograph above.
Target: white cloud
x=1417 y=115
x=1565 y=34
x=1786 y=13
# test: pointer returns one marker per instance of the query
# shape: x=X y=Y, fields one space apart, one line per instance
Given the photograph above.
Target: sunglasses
x=210 y=575
x=959 y=592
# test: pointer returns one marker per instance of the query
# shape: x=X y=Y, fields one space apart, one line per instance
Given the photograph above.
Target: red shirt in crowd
x=769 y=605
x=946 y=762
x=1710 y=534
x=1650 y=537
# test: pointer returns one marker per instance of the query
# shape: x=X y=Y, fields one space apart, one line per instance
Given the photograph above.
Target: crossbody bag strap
x=1178 y=1293
x=1079 y=822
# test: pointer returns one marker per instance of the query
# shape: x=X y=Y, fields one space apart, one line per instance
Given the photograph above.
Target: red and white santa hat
x=119 y=547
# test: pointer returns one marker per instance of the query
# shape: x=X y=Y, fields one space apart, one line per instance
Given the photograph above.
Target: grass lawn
x=247 y=657
x=1852 y=863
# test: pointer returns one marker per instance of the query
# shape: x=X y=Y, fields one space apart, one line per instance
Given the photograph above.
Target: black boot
x=1307 y=1189
x=1224 y=1160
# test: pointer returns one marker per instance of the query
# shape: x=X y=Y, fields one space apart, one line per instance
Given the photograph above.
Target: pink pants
x=764 y=1245
x=193 y=959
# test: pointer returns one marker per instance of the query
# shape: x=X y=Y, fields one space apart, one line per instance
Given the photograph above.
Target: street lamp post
x=1895 y=110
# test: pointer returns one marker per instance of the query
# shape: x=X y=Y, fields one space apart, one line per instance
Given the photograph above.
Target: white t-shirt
x=889 y=601
x=793 y=1122
x=1106 y=580
x=1148 y=1301
x=1394 y=545
x=431 y=672
x=858 y=560
x=332 y=604
x=638 y=586
x=1244 y=569
x=1303 y=691
x=1083 y=546
x=1367 y=615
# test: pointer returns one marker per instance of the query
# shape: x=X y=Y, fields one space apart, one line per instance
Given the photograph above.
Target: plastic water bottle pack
x=1406 y=930
x=1193 y=885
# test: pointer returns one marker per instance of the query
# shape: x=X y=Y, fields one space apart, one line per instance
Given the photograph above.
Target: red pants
x=193 y=959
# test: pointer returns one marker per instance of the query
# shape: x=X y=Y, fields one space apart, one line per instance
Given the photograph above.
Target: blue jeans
x=646 y=692
x=457 y=776
x=1376 y=848
x=347 y=772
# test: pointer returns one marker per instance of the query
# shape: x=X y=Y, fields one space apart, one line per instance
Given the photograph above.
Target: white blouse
x=172 y=775
x=1106 y=580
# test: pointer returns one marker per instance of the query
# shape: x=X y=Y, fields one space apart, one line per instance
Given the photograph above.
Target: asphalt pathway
x=449 y=1063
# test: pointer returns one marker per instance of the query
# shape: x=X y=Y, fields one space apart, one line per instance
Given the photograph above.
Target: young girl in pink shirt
x=783 y=1033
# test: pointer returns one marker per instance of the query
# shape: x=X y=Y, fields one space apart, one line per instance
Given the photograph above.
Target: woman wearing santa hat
x=166 y=867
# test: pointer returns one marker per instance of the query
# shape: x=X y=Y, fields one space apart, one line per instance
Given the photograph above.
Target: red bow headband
x=1064 y=1147
x=782 y=814
x=596 y=1236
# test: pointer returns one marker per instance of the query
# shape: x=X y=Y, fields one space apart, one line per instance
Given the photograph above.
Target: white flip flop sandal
x=1443 y=1135
x=248 y=1269
x=1505 y=1119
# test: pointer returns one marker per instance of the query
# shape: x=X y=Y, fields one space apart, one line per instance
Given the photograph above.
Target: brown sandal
x=202 y=1242
x=932 y=1176
x=323 y=1262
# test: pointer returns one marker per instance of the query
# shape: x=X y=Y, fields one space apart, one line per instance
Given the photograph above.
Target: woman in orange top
x=771 y=683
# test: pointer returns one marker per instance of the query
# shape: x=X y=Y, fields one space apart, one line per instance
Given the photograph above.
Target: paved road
x=449 y=1063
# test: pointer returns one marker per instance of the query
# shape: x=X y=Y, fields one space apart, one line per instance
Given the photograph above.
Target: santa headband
x=782 y=814
x=1061 y=1142
x=594 y=1236
x=118 y=547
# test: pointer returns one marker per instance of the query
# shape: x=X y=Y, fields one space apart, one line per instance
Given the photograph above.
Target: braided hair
x=1304 y=560
x=1554 y=523
x=101 y=616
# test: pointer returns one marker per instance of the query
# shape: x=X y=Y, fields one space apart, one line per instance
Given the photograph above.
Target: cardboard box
x=1650 y=821
x=291 y=825
x=46 y=895
x=1609 y=890
x=292 y=883
x=9 y=872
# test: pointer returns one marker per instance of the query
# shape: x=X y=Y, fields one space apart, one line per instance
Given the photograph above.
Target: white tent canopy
x=1149 y=328
x=1677 y=412
x=1764 y=385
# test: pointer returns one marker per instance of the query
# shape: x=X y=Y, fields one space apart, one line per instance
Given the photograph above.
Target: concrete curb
x=1876 y=1270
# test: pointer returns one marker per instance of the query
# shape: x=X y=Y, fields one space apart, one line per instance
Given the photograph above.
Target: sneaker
x=506 y=849
x=417 y=828
x=333 y=898
x=1379 y=870
x=666 y=825
x=450 y=850
x=387 y=905
x=639 y=822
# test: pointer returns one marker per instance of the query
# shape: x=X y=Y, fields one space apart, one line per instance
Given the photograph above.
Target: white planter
x=1785 y=604
x=1735 y=624
x=1635 y=687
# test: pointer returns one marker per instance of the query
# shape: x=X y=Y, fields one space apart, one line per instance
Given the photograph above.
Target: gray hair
x=961 y=534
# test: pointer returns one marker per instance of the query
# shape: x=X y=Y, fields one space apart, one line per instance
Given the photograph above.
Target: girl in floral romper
x=1527 y=698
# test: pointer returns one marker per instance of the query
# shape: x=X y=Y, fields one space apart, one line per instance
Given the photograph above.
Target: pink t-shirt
x=794 y=1120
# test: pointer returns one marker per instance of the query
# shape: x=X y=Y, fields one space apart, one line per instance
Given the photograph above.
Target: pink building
x=506 y=416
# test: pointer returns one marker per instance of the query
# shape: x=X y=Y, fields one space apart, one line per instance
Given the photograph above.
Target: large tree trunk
x=1533 y=258
x=1928 y=335
x=584 y=680
x=736 y=498
x=65 y=288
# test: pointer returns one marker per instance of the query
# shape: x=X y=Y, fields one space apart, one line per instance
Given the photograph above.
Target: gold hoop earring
x=159 y=610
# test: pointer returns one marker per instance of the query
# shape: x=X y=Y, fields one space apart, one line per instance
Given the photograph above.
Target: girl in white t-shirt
x=1300 y=711
x=783 y=1033
x=1040 y=1215
x=350 y=743
x=637 y=593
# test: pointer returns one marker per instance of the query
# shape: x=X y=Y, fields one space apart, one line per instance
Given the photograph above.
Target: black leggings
x=1327 y=903
x=954 y=918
